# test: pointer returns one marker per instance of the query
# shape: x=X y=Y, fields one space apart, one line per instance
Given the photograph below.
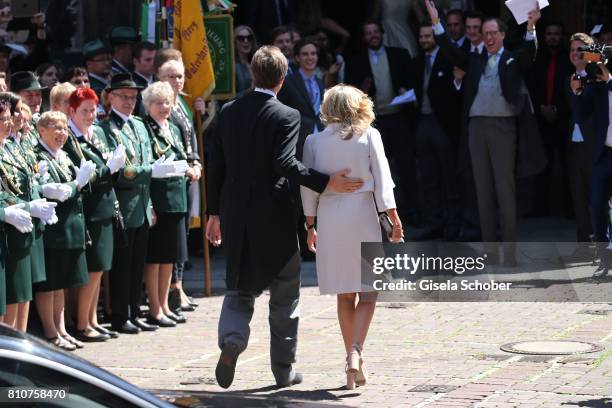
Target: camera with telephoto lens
x=592 y=55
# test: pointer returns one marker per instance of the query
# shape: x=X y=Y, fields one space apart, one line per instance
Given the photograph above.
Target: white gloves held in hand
x=56 y=191
x=18 y=218
x=117 y=159
x=44 y=210
x=168 y=167
x=85 y=172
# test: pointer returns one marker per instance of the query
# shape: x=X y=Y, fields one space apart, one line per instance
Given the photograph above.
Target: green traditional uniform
x=132 y=186
x=98 y=196
x=18 y=184
x=65 y=259
x=24 y=150
x=168 y=238
x=134 y=179
x=3 y=204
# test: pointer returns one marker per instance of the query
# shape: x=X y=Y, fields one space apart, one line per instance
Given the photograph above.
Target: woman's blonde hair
x=59 y=92
x=157 y=91
x=50 y=118
x=349 y=107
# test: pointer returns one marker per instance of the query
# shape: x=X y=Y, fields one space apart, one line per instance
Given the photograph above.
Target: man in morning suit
x=436 y=138
x=384 y=73
x=492 y=100
x=250 y=206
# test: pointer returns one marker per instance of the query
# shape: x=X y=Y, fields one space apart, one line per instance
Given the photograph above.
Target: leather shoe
x=226 y=367
x=191 y=302
x=144 y=326
x=187 y=308
x=297 y=378
x=103 y=330
x=127 y=328
x=179 y=318
x=88 y=336
x=600 y=272
x=161 y=322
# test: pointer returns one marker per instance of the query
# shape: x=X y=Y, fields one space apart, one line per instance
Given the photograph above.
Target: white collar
x=478 y=47
x=266 y=91
x=77 y=132
x=121 y=115
x=55 y=155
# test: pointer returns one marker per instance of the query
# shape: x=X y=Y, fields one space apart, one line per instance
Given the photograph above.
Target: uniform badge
x=129 y=172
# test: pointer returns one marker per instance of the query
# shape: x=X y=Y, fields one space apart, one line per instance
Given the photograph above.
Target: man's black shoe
x=600 y=272
x=144 y=326
x=127 y=328
x=226 y=367
x=296 y=379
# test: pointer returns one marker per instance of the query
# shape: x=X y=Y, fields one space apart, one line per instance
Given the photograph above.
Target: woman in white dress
x=345 y=220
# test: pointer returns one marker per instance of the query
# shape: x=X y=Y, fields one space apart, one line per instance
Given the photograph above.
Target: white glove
x=51 y=221
x=18 y=218
x=42 y=209
x=117 y=159
x=160 y=169
x=180 y=167
x=56 y=191
x=85 y=172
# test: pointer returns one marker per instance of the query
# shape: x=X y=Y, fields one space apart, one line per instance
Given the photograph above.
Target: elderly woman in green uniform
x=65 y=260
x=19 y=218
x=25 y=139
x=88 y=142
x=17 y=180
x=173 y=72
x=168 y=237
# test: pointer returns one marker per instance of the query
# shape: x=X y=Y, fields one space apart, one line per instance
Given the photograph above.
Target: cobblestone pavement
x=418 y=355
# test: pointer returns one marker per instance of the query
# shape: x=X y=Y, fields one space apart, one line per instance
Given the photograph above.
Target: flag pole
x=204 y=217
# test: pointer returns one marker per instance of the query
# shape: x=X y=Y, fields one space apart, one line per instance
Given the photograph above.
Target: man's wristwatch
x=309 y=226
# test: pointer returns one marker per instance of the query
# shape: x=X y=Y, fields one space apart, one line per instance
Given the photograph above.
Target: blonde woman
x=345 y=220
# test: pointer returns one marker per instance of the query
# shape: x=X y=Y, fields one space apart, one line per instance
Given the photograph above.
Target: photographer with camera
x=593 y=95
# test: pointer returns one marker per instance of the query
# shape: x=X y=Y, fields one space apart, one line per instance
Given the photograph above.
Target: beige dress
x=345 y=220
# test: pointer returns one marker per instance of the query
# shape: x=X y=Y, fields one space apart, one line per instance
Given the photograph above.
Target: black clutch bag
x=386 y=224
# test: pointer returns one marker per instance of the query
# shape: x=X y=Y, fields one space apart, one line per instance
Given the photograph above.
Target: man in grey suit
x=251 y=165
x=493 y=98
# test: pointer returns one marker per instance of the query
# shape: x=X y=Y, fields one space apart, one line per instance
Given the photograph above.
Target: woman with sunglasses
x=245 y=46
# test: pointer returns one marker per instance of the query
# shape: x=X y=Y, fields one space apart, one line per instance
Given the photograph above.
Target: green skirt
x=66 y=268
x=2 y=273
x=100 y=253
x=18 y=276
x=37 y=255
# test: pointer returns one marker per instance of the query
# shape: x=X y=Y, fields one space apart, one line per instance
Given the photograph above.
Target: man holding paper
x=494 y=97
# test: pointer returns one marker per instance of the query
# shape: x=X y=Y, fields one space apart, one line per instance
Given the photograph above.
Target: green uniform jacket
x=69 y=231
x=98 y=196
x=132 y=184
x=168 y=194
x=18 y=183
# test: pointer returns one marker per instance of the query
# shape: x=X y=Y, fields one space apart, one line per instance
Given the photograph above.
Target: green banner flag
x=220 y=35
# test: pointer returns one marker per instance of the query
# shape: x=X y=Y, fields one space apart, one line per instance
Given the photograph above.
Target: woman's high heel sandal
x=352 y=369
x=362 y=375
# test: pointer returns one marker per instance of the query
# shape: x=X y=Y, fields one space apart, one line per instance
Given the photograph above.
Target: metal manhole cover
x=553 y=348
